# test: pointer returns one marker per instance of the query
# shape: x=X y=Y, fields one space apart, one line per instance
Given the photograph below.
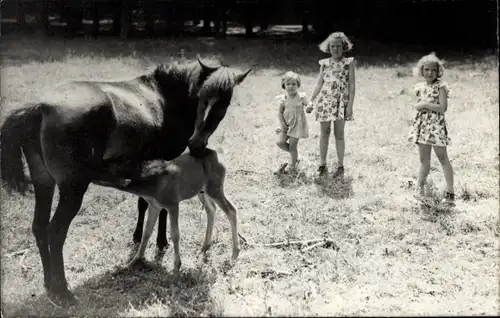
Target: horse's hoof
x=62 y=299
x=205 y=248
x=163 y=246
x=135 y=262
x=159 y=256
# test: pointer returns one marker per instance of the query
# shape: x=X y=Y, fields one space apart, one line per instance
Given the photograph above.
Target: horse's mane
x=182 y=72
x=219 y=82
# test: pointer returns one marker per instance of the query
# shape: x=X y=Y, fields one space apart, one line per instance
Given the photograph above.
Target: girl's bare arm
x=280 y=116
x=351 y=85
x=319 y=84
x=442 y=107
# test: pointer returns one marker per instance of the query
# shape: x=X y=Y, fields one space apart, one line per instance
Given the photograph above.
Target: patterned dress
x=429 y=127
x=333 y=98
x=294 y=115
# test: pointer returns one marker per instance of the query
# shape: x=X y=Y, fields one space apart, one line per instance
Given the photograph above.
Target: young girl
x=336 y=89
x=292 y=118
x=429 y=126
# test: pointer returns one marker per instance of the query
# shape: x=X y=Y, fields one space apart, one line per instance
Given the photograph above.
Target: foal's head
x=214 y=98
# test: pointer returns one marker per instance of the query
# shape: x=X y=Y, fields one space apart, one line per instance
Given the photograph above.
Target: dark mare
x=81 y=126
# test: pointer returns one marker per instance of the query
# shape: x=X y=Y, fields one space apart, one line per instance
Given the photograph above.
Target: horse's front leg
x=70 y=201
x=142 y=206
x=153 y=212
x=161 y=240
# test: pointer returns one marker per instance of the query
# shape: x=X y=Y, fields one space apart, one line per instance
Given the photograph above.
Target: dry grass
x=394 y=257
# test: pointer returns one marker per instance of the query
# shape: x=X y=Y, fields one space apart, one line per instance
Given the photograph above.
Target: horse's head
x=214 y=98
x=201 y=76
x=178 y=78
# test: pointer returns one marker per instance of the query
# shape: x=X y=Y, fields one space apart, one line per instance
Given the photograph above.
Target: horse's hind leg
x=44 y=185
x=153 y=212
x=210 y=208
x=71 y=196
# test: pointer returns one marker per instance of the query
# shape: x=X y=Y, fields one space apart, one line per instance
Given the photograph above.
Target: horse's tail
x=20 y=126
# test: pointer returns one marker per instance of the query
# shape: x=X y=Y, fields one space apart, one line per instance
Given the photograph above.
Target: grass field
x=394 y=257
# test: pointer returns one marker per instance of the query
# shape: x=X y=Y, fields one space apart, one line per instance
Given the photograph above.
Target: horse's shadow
x=335 y=187
x=122 y=290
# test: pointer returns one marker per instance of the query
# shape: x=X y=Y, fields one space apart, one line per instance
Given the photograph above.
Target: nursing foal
x=164 y=184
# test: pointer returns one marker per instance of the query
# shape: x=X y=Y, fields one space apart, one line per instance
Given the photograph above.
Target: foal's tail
x=20 y=126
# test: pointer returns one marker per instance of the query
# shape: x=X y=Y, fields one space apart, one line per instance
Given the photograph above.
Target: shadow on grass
x=336 y=188
x=282 y=51
x=122 y=290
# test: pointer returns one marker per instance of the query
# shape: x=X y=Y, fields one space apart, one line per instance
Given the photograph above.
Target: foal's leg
x=217 y=194
x=161 y=240
x=70 y=201
x=153 y=213
x=173 y=211
x=210 y=208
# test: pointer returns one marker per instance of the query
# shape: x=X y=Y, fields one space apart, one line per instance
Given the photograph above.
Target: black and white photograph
x=249 y=158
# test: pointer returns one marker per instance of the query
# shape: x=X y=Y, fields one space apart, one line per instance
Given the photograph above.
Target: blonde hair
x=290 y=76
x=429 y=58
x=346 y=44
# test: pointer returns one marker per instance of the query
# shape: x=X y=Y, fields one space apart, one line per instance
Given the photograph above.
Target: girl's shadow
x=339 y=187
x=123 y=290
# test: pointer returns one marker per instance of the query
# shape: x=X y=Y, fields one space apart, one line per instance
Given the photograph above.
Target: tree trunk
x=42 y=17
x=117 y=14
x=149 y=16
x=126 y=18
x=21 y=13
x=95 y=19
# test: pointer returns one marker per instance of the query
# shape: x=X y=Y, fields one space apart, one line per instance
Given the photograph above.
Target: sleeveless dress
x=333 y=98
x=294 y=115
x=429 y=127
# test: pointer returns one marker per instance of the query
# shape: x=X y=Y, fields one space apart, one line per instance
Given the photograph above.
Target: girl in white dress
x=293 y=122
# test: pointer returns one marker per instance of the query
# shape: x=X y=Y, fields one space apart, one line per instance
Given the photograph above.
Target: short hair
x=288 y=76
x=429 y=58
x=346 y=43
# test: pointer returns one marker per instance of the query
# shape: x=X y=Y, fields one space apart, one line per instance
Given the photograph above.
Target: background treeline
x=445 y=22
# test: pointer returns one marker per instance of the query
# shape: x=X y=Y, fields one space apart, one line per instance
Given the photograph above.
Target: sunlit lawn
x=394 y=257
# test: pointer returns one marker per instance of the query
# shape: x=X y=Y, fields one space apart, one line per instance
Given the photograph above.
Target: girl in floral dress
x=428 y=129
x=335 y=89
x=292 y=118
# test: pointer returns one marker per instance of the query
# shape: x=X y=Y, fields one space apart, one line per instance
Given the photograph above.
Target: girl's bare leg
x=338 y=130
x=425 y=166
x=282 y=141
x=293 y=152
x=324 y=139
x=442 y=155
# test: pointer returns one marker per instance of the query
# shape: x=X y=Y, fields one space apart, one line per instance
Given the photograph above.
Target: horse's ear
x=240 y=77
x=207 y=69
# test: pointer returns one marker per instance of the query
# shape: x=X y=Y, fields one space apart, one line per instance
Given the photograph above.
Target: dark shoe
x=322 y=170
x=449 y=198
x=281 y=169
x=339 y=172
